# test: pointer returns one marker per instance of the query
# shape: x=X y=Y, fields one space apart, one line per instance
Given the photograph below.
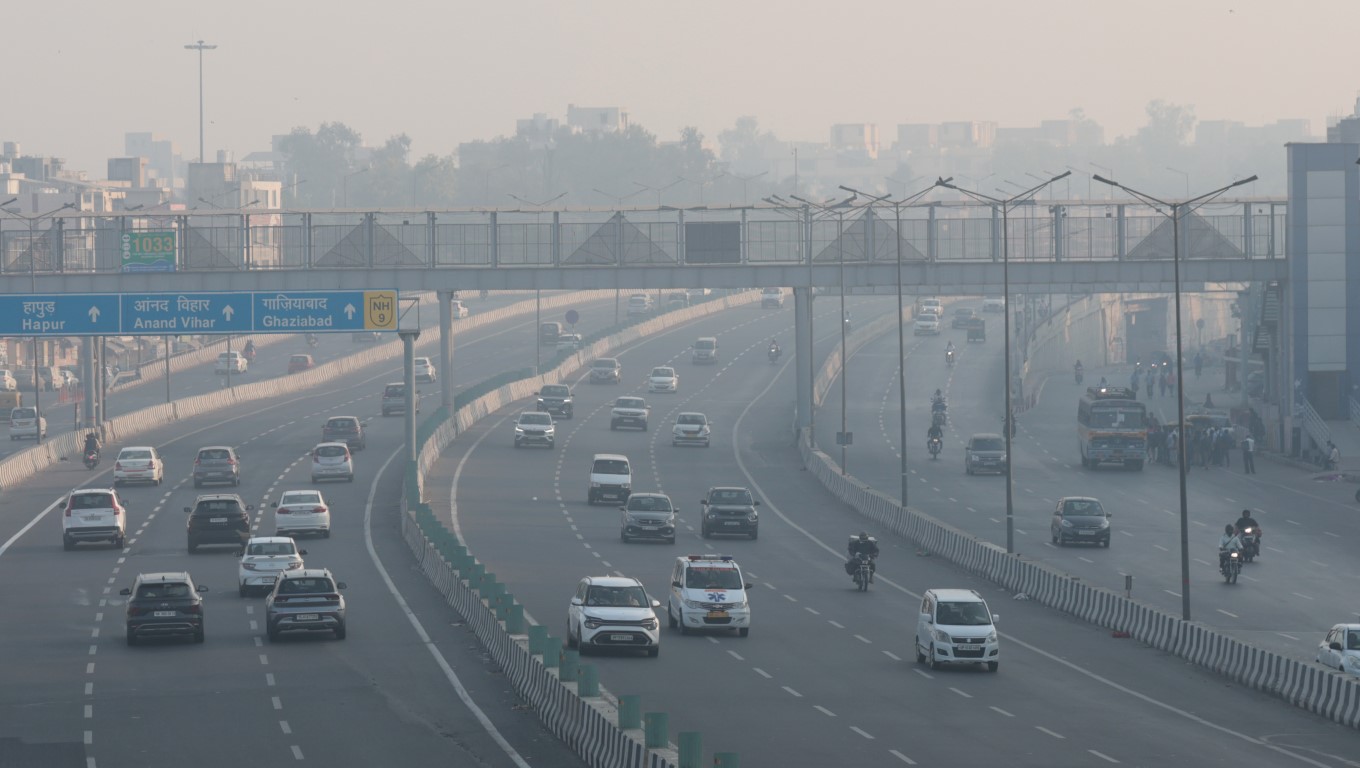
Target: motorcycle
x=1251 y=543
x=938 y=418
x=1079 y=376
x=864 y=571
x=91 y=459
x=949 y=358
x=312 y=340
x=934 y=445
x=847 y=325
x=249 y=353
x=1231 y=567
x=774 y=354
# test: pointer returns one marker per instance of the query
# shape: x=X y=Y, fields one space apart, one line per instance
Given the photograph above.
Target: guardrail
x=1355 y=411
x=1314 y=424
x=606 y=731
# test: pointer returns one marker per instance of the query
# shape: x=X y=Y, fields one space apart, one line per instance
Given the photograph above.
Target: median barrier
x=576 y=711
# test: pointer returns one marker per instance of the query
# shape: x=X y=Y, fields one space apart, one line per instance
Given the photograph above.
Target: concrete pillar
x=1120 y=242
x=446 y=350
x=932 y=235
x=87 y=370
x=802 y=347
x=493 y=240
x=408 y=350
x=1247 y=244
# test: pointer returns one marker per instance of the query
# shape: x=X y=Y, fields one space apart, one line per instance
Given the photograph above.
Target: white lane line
x=864 y=639
x=1220 y=610
x=1104 y=757
x=901 y=756
x=837 y=624
x=1158 y=546
x=277 y=702
x=89 y=708
x=861 y=732
x=297 y=752
x=924 y=674
x=269 y=679
x=793 y=693
x=1287 y=520
x=1295 y=594
x=1054 y=734
x=1286 y=634
x=791 y=598
x=823 y=709
x=812 y=611
x=892 y=656
x=964 y=694
x=287 y=729
x=1001 y=711
x=736 y=655
x=1173 y=594
x=89 y=737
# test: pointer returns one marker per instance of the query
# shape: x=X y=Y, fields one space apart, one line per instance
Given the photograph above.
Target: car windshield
x=271 y=548
x=611 y=467
x=425 y=361
x=607 y=365
x=23 y=413
x=699 y=577
x=731 y=496
x=395 y=390
x=92 y=501
x=1353 y=640
x=630 y=402
x=306 y=585
x=213 y=454
x=701 y=344
x=331 y=451
x=555 y=390
x=300 y=497
x=535 y=418
x=1083 y=508
x=962 y=615
x=989 y=444
x=163 y=591
x=134 y=454
x=690 y=418
x=341 y=424
x=641 y=503
x=218 y=507
x=617 y=597
x=298 y=359
x=663 y=372
x=1122 y=418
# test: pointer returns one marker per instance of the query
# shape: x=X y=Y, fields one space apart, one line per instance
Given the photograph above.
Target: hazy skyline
x=82 y=74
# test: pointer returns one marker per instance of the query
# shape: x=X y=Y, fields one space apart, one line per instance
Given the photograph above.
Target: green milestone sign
x=148 y=251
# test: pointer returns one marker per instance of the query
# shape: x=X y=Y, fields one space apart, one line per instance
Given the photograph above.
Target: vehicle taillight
x=195 y=462
x=318 y=510
x=135 y=611
x=248 y=566
x=231 y=461
x=117 y=510
x=293 y=566
x=195 y=608
x=68 y=510
x=283 y=511
x=117 y=465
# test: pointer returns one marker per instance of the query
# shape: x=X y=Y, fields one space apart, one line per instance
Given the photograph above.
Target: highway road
x=1305 y=581
x=389 y=694
x=827 y=676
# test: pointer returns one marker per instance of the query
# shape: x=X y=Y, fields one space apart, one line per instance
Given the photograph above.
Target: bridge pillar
x=997 y=224
x=1120 y=243
x=493 y=240
x=87 y=371
x=932 y=235
x=802 y=333
x=1246 y=230
x=446 y=350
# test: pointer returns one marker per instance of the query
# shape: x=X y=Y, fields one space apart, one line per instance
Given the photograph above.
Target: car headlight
x=550 y=430
x=1104 y=524
x=594 y=485
x=540 y=401
x=1004 y=457
x=941 y=636
x=991 y=636
x=593 y=623
x=649 y=624
x=693 y=604
x=1066 y=524
x=626 y=486
x=703 y=431
x=519 y=430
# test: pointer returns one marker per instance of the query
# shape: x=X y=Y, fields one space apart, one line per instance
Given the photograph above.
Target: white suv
x=927 y=322
x=424 y=370
x=708 y=592
x=613 y=612
x=229 y=362
x=93 y=514
x=954 y=626
x=535 y=428
x=263 y=559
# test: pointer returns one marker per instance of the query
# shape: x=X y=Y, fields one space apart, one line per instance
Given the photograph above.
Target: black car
x=220 y=518
x=164 y=605
x=557 y=400
x=985 y=452
x=729 y=510
x=963 y=317
x=1080 y=520
x=217 y=464
x=344 y=429
x=394 y=399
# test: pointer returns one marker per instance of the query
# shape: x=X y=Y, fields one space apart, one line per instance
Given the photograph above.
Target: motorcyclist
x=949 y=352
x=774 y=348
x=866 y=544
x=935 y=433
x=1228 y=542
x=91 y=443
x=249 y=352
x=1247 y=521
x=312 y=339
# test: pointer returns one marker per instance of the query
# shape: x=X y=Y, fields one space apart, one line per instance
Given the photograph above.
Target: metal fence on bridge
x=946 y=232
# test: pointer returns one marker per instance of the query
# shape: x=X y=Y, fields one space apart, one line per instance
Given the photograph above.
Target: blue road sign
x=186 y=313
x=60 y=314
x=300 y=311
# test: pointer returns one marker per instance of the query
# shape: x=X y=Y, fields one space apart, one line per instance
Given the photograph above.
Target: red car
x=298 y=363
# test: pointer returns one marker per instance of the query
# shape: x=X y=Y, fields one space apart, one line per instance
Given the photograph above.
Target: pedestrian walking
x=1165 y=380
x=1206 y=447
x=1151 y=379
x=1249 y=455
x=1199 y=363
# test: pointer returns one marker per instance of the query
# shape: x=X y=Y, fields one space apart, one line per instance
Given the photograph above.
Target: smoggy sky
x=78 y=73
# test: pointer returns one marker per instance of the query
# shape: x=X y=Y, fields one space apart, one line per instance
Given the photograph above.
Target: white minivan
x=708 y=592
x=611 y=477
x=954 y=626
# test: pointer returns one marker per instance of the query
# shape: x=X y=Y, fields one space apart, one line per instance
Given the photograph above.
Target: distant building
x=855 y=142
x=165 y=166
x=1219 y=133
x=596 y=119
x=537 y=130
x=967 y=135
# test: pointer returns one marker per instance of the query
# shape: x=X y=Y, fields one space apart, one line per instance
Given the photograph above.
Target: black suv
x=985 y=452
x=556 y=399
x=394 y=399
x=219 y=518
x=164 y=605
x=344 y=429
x=729 y=510
x=217 y=464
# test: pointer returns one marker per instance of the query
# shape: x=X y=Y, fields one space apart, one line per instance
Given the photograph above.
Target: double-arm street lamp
x=538 y=294
x=747 y=180
x=618 y=199
x=344 y=185
x=898 y=205
x=1008 y=422
x=660 y=189
x=1176 y=211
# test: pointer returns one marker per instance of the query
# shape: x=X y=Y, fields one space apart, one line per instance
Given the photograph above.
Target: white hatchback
x=458 y=310
x=138 y=464
x=424 y=369
x=1340 y=649
x=298 y=512
x=230 y=362
x=663 y=379
x=263 y=559
x=332 y=461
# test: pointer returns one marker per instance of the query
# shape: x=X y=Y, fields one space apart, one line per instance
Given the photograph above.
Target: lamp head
x=1103 y=180
x=1061 y=176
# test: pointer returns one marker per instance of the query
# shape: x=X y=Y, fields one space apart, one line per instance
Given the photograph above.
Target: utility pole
x=200 y=46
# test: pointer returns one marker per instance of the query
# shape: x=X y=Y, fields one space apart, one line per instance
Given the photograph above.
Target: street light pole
x=1184 y=174
x=1176 y=209
x=344 y=185
x=1008 y=421
x=200 y=46
x=901 y=327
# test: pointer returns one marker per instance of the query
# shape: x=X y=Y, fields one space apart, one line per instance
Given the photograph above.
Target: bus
x=1111 y=428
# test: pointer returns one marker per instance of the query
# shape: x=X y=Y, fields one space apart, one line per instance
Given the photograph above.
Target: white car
x=629 y=412
x=229 y=362
x=639 y=304
x=1340 y=649
x=927 y=322
x=332 y=461
x=535 y=428
x=424 y=369
x=458 y=310
x=299 y=512
x=7 y=380
x=954 y=626
x=690 y=429
x=993 y=304
x=663 y=379
x=708 y=592
x=263 y=559
x=138 y=464
x=568 y=342
x=93 y=514
x=613 y=612
x=24 y=421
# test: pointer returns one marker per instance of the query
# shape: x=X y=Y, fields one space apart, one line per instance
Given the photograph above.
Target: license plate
x=266 y=579
x=621 y=638
x=969 y=647
x=732 y=522
x=1086 y=533
x=90 y=518
x=217 y=519
x=163 y=614
x=308 y=617
x=717 y=614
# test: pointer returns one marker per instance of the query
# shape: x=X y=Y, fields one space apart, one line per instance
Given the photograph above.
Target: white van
x=639 y=304
x=611 y=477
x=705 y=350
x=954 y=626
x=772 y=298
x=708 y=592
x=931 y=305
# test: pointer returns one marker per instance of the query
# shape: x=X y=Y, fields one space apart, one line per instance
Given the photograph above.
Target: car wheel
x=654 y=651
x=272 y=633
x=131 y=637
x=623 y=537
x=920 y=657
x=743 y=632
x=241 y=589
x=644 y=426
x=1053 y=536
x=350 y=478
x=703 y=531
x=1062 y=542
x=671 y=540
x=313 y=478
x=340 y=631
x=326 y=534
x=934 y=662
x=1105 y=544
x=67 y=544
x=117 y=483
x=670 y=618
x=754 y=533
x=198 y=635
x=516 y=443
x=613 y=425
x=572 y=642
x=120 y=542
x=590 y=498
x=236 y=482
x=993 y=665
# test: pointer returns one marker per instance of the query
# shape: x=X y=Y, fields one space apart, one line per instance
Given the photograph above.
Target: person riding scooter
x=1249 y=531
x=312 y=340
x=934 y=440
x=949 y=353
x=1078 y=371
x=1227 y=543
x=92 y=444
x=249 y=352
x=774 y=350
x=862 y=544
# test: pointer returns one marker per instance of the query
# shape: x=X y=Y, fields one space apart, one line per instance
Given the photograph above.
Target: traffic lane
x=1072 y=638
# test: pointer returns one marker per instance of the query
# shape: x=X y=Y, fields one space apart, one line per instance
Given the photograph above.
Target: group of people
x=1231 y=540
x=1204 y=447
x=1152 y=379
